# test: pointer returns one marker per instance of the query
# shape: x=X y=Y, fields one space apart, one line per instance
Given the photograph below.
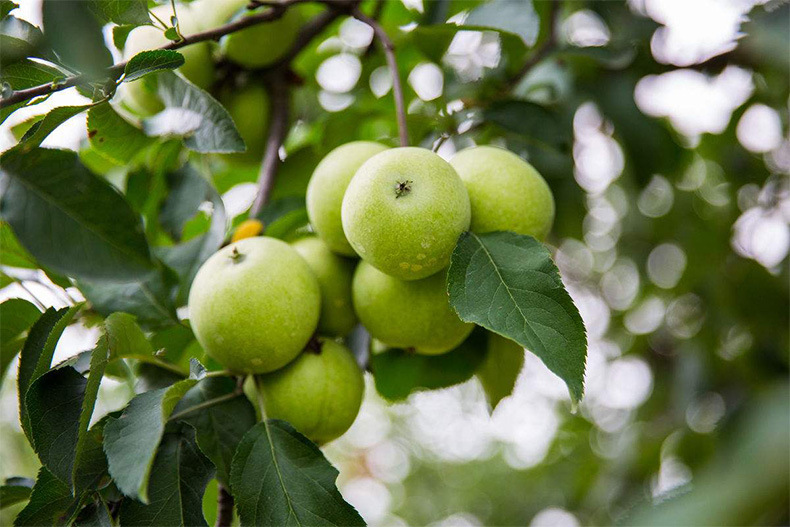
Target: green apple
x=407 y=314
x=215 y=13
x=263 y=44
x=334 y=274
x=328 y=186
x=500 y=368
x=319 y=393
x=404 y=211
x=140 y=95
x=249 y=109
x=254 y=305
x=506 y=192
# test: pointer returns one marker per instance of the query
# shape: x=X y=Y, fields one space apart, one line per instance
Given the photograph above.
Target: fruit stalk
x=397 y=88
x=224 y=507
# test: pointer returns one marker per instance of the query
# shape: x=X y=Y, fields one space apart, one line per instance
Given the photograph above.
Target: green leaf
x=178 y=481
x=6 y=6
x=172 y=34
x=189 y=192
x=538 y=124
x=398 y=373
x=90 y=467
x=192 y=112
x=147 y=62
x=114 y=137
x=75 y=34
x=289 y=226
x=120 y=34
x=508 y=284
x=95 y=514
x=54 y=403
x=219 y=428
x=131 y=441
x=26 y=74
x=13 y=254
x=500 y=368
x=85 y=440
x=279 y=477
x=512 y=16
x=51 y=503
x=36 y=356
x=134 y=12
x=17 y=316
x=148 y=299
x=69 y=219
x=19 y=39
x=41 y=129
x=15 y=490
x=125 y=338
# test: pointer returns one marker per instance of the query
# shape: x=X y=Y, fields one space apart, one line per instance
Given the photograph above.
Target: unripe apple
x=506 y=192
x=328 y=186
x=414 y=314
x=263 y=44
x=254 y=305
x=319 y=393
x=404 y=211
x=249 y=109
x=140 y=95
x=334 y=274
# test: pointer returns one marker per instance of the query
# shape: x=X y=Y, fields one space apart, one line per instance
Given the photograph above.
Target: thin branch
x=547 y=47
x=273 y=13
x=224 y=507
x=397 y=88
x=279 y=101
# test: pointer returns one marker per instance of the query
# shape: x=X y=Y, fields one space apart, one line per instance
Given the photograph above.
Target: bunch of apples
x=385 y=222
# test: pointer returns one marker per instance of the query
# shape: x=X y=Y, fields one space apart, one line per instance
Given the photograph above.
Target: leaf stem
x=205 y=404
x=392 y=63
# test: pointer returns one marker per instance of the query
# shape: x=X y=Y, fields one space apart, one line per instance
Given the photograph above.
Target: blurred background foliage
x=662 y=129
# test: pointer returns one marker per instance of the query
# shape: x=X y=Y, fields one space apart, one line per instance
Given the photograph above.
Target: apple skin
x=262 y=45
x=500 y=368
x=249 y=109
x=407 y=314
x=409 y=233
x=506 y=192
x=328 y=186
x=140 y=95
x=334 y=274
x=254 y=305
x=319 y=393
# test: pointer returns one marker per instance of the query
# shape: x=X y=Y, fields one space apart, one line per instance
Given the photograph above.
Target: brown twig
x=224 y=507
x=273 y=13
x=397 y=88
x=279 y=101
x=278 y=78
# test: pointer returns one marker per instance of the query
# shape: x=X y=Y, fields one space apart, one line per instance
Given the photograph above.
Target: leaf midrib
x=46 y=197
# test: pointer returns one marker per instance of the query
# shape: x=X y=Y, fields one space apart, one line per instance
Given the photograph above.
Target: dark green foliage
x=399 y=372
x=76 y=213
x=280 y=478
x=508 y=284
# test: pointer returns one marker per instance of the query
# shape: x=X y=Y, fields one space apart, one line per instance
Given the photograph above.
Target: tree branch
x=273 y=13
x=279 y=102
x=224 y=507
x=397 y=89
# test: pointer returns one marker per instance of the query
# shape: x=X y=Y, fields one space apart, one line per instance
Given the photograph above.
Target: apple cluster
x=385 y=223
x=255 y=47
